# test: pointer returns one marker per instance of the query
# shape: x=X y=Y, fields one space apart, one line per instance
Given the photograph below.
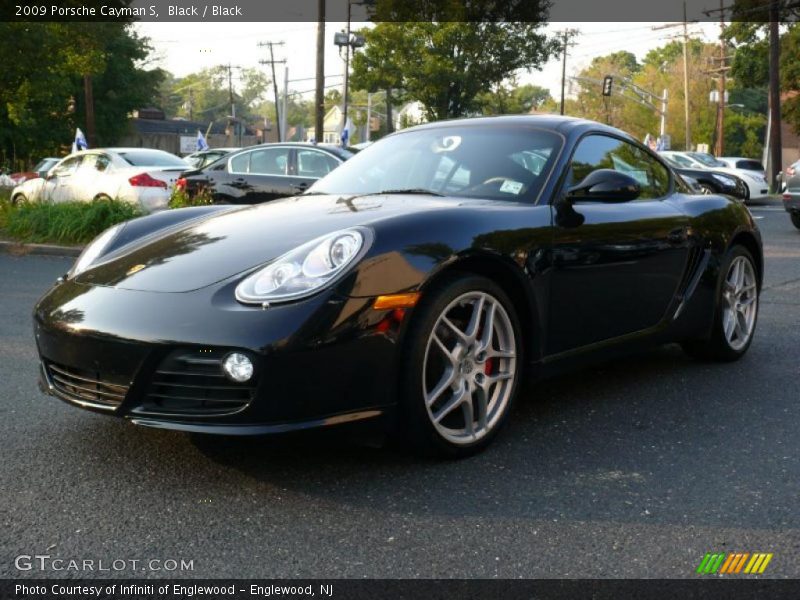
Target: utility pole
x=719 y=147
x=775 y=143
x=89 y=100
x=685 y=39
x=237 y=130
x=319 y=96
x=190 y=104
x=285 y=111
x=687 y=122
x=566 y=37
x=272 y=63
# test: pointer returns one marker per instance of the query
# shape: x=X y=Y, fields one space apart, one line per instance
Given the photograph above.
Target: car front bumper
x=155 y=358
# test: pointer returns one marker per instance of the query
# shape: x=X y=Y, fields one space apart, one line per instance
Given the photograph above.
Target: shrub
x=65 y=223
x=180 y=199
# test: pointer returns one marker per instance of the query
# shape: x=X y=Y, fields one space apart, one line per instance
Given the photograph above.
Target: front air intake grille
x=85 y=386
x=191 y=383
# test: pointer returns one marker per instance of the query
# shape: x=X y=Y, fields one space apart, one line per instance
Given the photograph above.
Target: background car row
x=146 y=177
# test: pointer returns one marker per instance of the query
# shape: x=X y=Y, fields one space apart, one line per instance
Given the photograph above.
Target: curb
x=21 y=249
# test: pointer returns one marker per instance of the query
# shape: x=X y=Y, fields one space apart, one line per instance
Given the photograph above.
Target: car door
x=309 y=165
x=58 y=187
x=91 y=179
x=617 y=267
x=259 y=175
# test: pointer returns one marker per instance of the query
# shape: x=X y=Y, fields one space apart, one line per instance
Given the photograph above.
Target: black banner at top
x=395 y=10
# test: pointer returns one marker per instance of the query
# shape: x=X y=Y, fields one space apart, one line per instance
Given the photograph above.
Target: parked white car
x=745 y=164
x=757 y=185
x=141 y=176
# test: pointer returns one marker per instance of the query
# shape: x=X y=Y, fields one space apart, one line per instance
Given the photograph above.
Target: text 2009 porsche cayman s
x=414 y=286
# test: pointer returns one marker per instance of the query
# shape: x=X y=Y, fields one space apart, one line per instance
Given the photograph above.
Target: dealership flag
x=347 y=131
x=80 y=141
x=201 y=141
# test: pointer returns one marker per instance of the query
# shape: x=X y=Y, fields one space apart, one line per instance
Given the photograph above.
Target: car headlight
x=94 y=250
x=724 y=180
x=306 y=269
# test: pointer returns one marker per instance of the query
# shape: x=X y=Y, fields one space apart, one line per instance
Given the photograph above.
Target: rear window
x=152 y=158
x=749 y=165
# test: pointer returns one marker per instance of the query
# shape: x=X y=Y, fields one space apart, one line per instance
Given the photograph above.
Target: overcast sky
x=189 y=47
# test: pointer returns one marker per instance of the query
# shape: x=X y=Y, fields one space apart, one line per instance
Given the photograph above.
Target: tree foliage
x=447 y=65
x=42 y=83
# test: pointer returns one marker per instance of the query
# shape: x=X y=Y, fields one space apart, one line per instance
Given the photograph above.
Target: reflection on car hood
x=207 y=251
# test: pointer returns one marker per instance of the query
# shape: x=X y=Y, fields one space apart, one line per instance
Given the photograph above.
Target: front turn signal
x=393 y=301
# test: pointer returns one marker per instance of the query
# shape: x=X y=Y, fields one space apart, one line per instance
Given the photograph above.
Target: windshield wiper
x=409 y=191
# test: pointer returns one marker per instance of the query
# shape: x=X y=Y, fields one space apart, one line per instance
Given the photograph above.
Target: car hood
x=204 y=252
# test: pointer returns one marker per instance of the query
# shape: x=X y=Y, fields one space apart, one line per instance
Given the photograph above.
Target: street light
x=348 y=40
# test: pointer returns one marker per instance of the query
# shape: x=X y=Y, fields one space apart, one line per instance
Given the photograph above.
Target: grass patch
x=63 y=223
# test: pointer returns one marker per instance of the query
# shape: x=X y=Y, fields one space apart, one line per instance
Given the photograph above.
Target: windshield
x=498 y=162
x=45 y=164
x=707 y=159
x=152 y=158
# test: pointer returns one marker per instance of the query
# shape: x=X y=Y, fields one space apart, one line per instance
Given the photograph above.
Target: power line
x=566 y=42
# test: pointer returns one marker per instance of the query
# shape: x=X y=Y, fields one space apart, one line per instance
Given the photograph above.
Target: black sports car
x=262 y=173
x=413 y=286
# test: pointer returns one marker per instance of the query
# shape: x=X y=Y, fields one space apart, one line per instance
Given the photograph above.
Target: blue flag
x=201 y=141
x=80 y=141
x=346 y=132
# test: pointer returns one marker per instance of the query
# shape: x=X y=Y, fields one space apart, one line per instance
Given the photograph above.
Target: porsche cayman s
x=413 y=286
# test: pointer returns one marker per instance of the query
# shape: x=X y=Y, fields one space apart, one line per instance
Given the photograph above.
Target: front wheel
x=795 y=216
x=736 y=313
x=462 y=366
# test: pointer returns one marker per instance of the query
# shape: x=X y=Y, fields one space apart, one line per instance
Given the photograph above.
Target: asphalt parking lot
x=633 y=469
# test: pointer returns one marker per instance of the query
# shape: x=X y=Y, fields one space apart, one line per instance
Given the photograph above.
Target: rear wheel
x=737 y=310
x=795 y=219
x=461 y=366
x=18 y=199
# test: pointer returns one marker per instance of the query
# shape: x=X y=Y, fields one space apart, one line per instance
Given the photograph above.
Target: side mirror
x=43 y=174
x=605 y=185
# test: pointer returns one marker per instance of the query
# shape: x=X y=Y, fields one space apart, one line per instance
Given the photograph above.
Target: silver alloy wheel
x=739 y=303
x=470 y=367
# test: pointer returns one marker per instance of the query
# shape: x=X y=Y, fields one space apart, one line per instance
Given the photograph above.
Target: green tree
x=447 y=65
x=42 y=83
x=510 y=99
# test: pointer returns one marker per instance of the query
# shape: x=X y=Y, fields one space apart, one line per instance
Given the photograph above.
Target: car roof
x=563 y=125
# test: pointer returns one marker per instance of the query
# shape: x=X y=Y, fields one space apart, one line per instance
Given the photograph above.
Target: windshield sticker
x=511 y=187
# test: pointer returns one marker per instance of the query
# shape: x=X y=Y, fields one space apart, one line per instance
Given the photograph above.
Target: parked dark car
x=262 y=173
x=711 y=182
x=791 y=199
x=203 y=158
x=412 y=287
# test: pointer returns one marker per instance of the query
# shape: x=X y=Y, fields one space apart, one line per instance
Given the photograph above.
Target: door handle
x=676 y=237
x=300 y=187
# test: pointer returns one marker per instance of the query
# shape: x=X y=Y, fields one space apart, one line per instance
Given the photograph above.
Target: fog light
x=238 y=367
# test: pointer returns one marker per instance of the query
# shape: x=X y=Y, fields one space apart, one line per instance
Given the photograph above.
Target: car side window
x=102 y=163
x=240 y=163
x=605 y=152
x=269 y=161
x=313 y=163
x=67 y=167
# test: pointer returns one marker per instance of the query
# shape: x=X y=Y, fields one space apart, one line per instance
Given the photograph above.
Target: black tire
x=415 y=426
x=18 y=199
x=716 y=347
x=795 y=216
x=102 y=198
